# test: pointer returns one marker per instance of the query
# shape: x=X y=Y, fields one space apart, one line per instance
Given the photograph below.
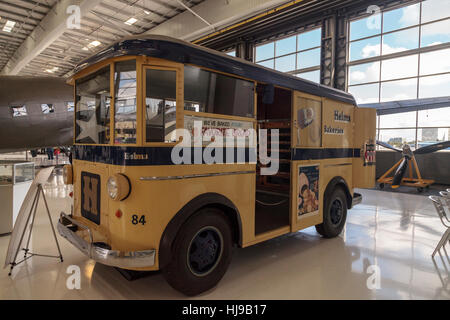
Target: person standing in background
x=57 y=152
x=50 y=153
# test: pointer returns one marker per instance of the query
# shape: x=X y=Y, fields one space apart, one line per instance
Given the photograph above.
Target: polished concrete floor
x=388 y=235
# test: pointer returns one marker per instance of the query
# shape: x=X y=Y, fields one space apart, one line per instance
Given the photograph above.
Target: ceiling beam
x=52 y=26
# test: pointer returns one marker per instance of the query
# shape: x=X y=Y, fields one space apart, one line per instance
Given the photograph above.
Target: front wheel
x=334 y=214
x=201 y=253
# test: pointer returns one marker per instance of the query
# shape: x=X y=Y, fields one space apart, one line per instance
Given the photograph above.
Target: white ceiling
x=104 y=23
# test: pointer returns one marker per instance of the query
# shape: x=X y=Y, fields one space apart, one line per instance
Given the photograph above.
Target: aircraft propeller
x=408 y=154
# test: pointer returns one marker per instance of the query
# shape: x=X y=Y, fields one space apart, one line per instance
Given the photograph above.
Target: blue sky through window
x=400 y=33
x=309 y=39
x=293 y=54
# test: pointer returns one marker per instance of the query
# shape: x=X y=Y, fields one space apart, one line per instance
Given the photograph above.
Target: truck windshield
x=92 y=106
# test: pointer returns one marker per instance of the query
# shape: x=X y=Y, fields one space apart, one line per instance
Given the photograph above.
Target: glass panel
x=19 y=111
x=310 y=39
x=362 y=73
x=428 y=136
x=268 y=63
x=398 y=120
x=23 y=172
x=435 y=62
x=401 y=41
x=434 y=86
x=399 y=67
x=399 y=90
x=6 y=173
x=398 y=137
x=435 y=9
x=212 y=92
x=47 y=108
x=434 y=117
x=285 y=46
x=70 y=106
x=435 y=33
x=285 y=64
x=125 y=124
x=366 y=27
x=307 y=59
x=365 y=48
x=92 y=106
x=365 y=93
x=265 y=51
x=311 y=76
x=401 y=18
x=160 y=105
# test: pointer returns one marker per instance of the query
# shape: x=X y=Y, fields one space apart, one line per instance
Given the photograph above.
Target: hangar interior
x=391 y=55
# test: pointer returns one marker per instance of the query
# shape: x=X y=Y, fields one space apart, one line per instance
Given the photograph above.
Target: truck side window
x=125 y=102
x=206 y=91
x=160 y=105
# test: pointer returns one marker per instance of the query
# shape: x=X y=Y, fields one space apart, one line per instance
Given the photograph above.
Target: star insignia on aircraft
x=90 y=129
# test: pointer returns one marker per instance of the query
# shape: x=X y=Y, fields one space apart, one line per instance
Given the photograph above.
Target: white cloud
x=435 y=62
x=434 y=81
x=370 y=74
x=387 y=49
x=410 y=16
x=435 y=9
x=370 y=51
x=358 y=76
x=437 y=29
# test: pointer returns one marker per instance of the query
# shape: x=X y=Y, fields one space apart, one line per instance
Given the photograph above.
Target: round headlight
x=118 y=187
x=68 y=174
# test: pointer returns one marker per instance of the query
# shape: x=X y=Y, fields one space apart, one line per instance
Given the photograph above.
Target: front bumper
x=357 y=199
x=125 y=260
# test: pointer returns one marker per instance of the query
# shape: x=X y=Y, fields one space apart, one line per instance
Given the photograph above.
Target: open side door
x=364 y=141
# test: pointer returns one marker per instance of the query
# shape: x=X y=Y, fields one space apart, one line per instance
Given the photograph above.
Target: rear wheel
x=201 y=252
x=334 y=214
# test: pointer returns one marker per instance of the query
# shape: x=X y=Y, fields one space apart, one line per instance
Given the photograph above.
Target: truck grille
x=90 y=196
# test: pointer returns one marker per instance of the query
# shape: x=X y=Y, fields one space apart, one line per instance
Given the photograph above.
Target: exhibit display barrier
x=15 y=181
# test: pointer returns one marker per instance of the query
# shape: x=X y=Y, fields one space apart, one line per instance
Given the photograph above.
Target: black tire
x=334 y=214
x=381 y=186
x=195 y=268
x=420 y=189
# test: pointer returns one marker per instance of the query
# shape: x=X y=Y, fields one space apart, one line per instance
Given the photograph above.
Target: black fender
x=338 y=181
x=205 y=200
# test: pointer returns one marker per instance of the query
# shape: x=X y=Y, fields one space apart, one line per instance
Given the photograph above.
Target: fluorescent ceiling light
x=9 y=25
x=94 y=43
x=130 y=21
x=52 y=70
x=146 y=12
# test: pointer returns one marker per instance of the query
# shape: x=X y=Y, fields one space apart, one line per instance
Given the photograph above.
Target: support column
x=244 y=49
x=340 y=78
x=327 y=59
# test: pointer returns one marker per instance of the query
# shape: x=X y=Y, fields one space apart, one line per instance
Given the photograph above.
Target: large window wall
x=401 y=54
x=416 y=128
x=297 y=54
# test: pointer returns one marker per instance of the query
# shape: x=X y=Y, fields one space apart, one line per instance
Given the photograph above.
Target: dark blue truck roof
x=184 y=52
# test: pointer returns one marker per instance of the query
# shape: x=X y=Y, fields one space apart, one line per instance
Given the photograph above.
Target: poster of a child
x=308 y=190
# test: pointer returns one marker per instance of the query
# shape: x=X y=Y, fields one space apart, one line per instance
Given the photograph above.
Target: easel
x=32 y=215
